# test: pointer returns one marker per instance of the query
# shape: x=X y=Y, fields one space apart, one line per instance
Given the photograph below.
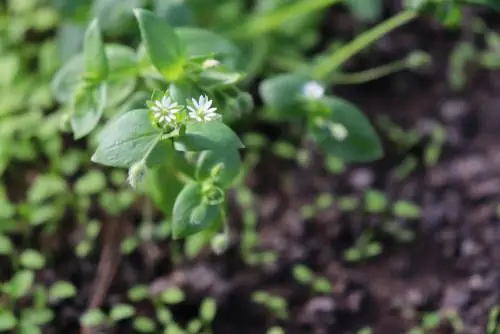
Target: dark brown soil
x=452 y=264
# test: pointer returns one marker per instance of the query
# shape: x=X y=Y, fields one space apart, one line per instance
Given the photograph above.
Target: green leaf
x=144 y=325
x=121 y=312
x=201 y=43
x=88 y=109
x=190 y=214
x=36 y=317
x=20 y=284
x=27 y=328
x=281 y=93
x=128 y=138
x=162 y=44
x=208 y=309
x=6 y=246
x=8 y=320
x=91 y=183
x=406 y=209
x=45 y=187
x=362 y=143
x=62 y=290
x=123 y=66
x=96 y=62
x=163 y=186
x=231 y=165
x=213 y=135
x=93 y=318
x=172 y=296
x=32 y=259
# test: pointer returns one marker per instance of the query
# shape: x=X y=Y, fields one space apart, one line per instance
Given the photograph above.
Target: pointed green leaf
x=190 y=213
x=361 y=144
x=37 y=317
x=229 y=160
x=88 y=109
x=7 y=320
x=213 y=135
x=96 y=62
x=162 y=44
x=128 y=138
x=20 y=284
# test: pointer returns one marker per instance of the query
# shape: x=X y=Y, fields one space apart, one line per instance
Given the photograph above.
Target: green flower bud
x=137 y=174
x=220 y=243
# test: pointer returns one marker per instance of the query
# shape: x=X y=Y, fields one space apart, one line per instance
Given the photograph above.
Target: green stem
x=265 y=23
x=340 y=56
x=367 y=75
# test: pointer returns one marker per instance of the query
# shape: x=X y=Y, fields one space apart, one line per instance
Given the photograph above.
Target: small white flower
x=210 y=63
x=202 y=110
x=165 y=110
x=312 y=90
x=338 y=131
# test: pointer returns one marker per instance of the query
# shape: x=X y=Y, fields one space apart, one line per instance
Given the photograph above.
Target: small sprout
x=322 y=285
x=164 y=315
x=275 y=330
x=129 y=245
x=172 y=296
x=303 y=274
x=93 y=318
x=137 y=174
x=220 y=243
x=138 y=293
x=418 y=59
x=8 y=320
x=313 y=90
x=165 y=111
x=144 y=325
x=83 y=248
x=375 y=201
x=208 y=309
x=406 y=209
x=121 y=312
x=62 y=290
x=194 y=326
x=202 y=110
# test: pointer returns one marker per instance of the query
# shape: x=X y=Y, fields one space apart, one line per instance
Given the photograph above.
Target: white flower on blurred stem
x=165 y=110
x=210 y=63
x=338 y=131
x=312 y=90
x=202 y=110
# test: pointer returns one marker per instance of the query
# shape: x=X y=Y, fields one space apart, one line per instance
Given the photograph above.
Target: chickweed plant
x=170 y=103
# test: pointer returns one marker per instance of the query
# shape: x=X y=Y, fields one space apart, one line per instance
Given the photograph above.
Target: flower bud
x=220 y=243
x=137 y=174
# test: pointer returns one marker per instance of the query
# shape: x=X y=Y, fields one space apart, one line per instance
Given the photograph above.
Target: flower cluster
x=168 y=113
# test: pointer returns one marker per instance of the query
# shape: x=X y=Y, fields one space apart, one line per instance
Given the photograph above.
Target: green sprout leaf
x=93 y=318
x=128 y=138
x=37 y=317
x=62 y=290
x=191 y=214
x=162 y=44
x=32 y=259
x=88 y=109
x=208 y=309
x=361 y=143
x=96 y=62
x=20 y=284
x=8 y=320
x=121 y=312
x=172 y=296
x=213 y=135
